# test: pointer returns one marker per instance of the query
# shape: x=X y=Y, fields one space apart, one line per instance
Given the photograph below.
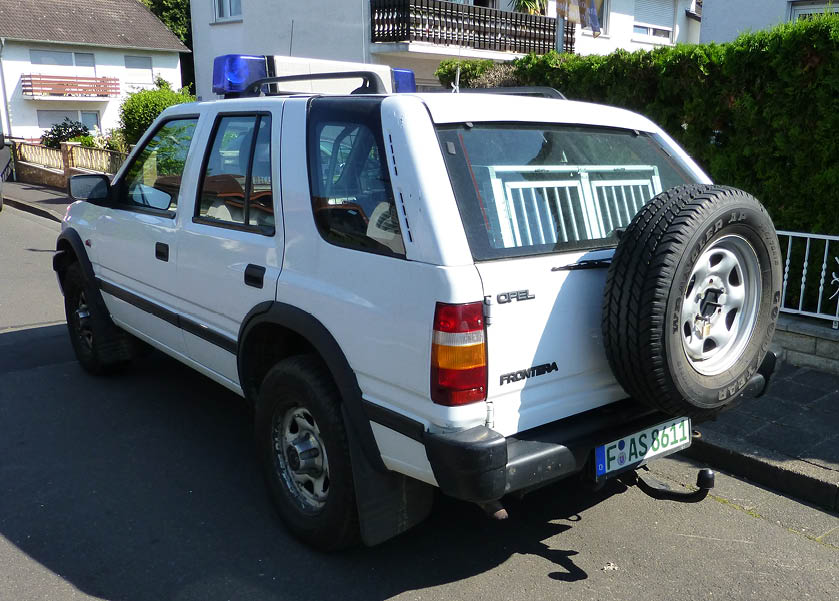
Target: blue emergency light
x=403 y=80
x=233 y=73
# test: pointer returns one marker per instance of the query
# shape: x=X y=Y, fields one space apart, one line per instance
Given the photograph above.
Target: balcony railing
x=54 y=86
x=447 y=23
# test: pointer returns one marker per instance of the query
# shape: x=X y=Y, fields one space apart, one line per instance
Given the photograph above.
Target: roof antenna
x=456 y=84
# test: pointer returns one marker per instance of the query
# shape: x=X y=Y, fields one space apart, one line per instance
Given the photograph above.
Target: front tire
x=100 y=346
x=303 y=447
x=692 y=298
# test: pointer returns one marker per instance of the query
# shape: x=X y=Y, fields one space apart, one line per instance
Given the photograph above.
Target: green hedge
x=760 y=113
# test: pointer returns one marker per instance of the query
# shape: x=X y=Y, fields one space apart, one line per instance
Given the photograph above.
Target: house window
x=84 y=59
x=90 y=119
x=48 y=118
x=51 y=57
x=138 y=69
x=228 y=9
x=800 y=11
x=654 y=21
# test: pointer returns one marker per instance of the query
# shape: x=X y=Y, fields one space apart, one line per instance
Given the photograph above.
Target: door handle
x=254 y=275
x=161 y=251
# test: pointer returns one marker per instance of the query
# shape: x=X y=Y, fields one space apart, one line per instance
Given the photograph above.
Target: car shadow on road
x=145 y=486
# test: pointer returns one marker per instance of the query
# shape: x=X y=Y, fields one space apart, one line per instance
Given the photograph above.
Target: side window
x=236 y=185
x=352 y=197
x=154 y=178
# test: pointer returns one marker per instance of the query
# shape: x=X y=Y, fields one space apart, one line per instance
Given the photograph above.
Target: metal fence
x=811 y=275
x=38 y=155
x=96 y=159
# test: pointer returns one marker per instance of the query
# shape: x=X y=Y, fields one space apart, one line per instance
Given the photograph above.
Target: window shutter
x=655 y=12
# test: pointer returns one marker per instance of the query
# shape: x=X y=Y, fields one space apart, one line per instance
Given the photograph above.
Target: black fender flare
x=311 y=329
x=61 y=259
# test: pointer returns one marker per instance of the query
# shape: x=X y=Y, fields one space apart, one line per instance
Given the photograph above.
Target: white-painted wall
x=109 y=62
x=724 y=20
x=620 y=34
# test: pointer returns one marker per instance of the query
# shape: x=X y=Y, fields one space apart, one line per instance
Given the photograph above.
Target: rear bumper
x=481 y=465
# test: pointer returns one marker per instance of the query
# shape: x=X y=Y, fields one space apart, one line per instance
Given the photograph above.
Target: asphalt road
x=144 y=486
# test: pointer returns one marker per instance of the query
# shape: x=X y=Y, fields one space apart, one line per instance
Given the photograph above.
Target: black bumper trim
x=481 y=465
x=393 y=420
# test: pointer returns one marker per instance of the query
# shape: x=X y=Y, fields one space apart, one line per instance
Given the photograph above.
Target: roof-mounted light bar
x=240 y=75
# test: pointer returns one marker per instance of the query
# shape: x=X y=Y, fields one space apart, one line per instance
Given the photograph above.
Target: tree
x=176 y=16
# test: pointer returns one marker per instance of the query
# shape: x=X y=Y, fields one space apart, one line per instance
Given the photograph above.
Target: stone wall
x=807 y=342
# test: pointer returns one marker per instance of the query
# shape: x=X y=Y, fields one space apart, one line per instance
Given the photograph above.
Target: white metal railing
x=818 y=297
x=576 y=203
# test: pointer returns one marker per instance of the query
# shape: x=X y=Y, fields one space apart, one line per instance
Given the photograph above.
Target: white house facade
x=418 y=34
x=47 y=75
x=724 y=20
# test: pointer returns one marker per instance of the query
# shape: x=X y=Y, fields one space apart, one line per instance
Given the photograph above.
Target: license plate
x=638 y=448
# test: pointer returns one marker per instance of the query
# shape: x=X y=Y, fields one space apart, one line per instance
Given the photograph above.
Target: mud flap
x=388 y=503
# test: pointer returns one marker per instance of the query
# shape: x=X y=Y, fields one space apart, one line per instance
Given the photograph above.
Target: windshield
x=535 y=189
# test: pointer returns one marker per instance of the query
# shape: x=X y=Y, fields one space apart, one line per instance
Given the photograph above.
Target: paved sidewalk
x=787 y=440
x=43 y=201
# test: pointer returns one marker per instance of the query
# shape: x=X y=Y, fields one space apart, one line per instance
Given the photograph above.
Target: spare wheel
x=692 y=298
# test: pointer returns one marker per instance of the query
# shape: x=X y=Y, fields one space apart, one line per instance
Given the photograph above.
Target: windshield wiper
x=585 y=264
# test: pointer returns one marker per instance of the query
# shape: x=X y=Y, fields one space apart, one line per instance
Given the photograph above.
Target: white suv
x=419 y=291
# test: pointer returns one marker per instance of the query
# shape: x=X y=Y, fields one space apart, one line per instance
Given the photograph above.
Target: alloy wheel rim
x=720 y=305
x=300 y=458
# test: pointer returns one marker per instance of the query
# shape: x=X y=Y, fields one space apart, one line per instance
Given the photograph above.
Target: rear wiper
x=585 y=264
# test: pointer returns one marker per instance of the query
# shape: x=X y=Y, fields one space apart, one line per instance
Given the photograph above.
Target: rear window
x=536 y=189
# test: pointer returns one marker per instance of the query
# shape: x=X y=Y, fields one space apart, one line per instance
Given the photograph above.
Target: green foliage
x=533 y=7
x=86 y=141
x=140 y=109
x=175 y=15
x=759 y=113
x=470 y=70
x=63 y=132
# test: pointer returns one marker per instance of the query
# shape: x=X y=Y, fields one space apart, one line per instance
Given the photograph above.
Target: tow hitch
x=659 y=490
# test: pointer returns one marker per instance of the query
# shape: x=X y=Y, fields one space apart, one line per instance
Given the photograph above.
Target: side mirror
x=2 y=140
x=92 y=188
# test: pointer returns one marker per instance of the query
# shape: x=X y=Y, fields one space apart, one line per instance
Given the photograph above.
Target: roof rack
x=540 y=91
x=373 y=84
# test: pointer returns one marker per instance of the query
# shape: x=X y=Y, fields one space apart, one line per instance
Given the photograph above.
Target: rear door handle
x=254 y=275
x=161 y=251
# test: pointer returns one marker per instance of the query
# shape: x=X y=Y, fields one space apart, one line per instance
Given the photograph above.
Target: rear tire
x=302 y=443
x=100 y=346
x=692 y=299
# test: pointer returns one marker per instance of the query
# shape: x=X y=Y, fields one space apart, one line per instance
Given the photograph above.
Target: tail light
x=458 y=355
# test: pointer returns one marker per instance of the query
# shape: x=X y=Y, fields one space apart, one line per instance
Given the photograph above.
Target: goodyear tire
x=692 y=299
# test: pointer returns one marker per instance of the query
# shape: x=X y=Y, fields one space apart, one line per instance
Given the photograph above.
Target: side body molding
x=308 y=327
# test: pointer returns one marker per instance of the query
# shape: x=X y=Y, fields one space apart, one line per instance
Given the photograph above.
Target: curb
x=31 y=208
x=798 y=479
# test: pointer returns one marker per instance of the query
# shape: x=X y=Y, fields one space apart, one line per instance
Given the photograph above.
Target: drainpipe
x=3 y=89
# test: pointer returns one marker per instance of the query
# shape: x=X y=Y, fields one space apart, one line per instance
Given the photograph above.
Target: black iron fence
x=448 y=23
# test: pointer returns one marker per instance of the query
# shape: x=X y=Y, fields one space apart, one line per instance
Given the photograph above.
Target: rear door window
x=352 y=196
x=533 y=189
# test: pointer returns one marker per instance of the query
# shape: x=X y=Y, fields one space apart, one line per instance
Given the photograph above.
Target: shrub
x=501 y=75
x=63 y=132
x=758 y=113
x=86 y=141
x=141 y=108
x=469 y=70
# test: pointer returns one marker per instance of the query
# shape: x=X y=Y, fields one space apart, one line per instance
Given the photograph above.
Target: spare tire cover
x=692 y=299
